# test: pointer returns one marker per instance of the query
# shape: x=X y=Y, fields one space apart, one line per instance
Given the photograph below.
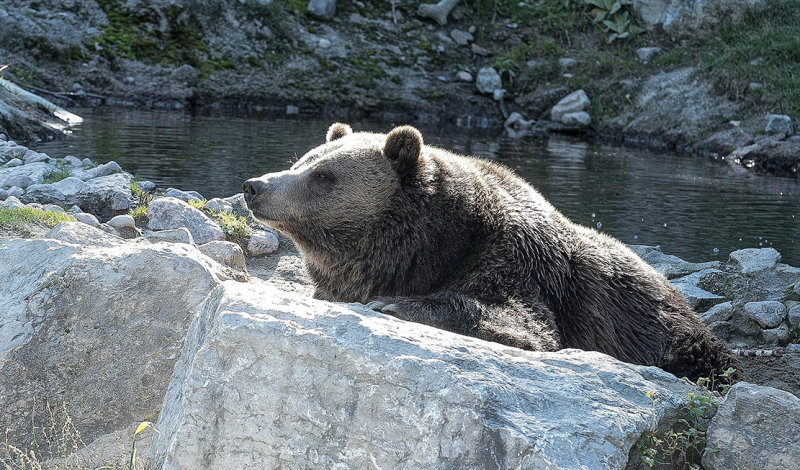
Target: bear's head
x=338 y=189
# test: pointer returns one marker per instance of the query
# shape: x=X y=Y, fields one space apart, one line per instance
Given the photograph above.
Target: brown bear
x=466 y=245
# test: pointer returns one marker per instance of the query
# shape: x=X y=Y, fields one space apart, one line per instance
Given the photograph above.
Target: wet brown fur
x=466 y=245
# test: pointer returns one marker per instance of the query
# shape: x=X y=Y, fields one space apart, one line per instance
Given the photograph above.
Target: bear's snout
x=252 y=188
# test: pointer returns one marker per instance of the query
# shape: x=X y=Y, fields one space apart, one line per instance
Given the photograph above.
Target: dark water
x=688 y=206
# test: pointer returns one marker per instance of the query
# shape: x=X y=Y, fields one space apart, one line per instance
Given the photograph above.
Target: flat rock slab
x=755 y=428
x=755 y=260
x=270 y=379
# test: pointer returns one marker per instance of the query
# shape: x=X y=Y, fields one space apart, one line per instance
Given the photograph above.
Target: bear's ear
x=337 y=131
x=403 y=146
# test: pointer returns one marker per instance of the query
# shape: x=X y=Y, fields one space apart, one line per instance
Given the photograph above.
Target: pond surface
x=694 y=208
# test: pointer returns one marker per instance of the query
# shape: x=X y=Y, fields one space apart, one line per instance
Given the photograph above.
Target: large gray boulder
x=270 y=379
x=684 y=19
x=169 y=213
x=670 y=265
x=94 y=321
x=755 y=428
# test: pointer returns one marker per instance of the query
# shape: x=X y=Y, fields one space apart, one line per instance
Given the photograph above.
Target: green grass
x=764 y=48
x=234 y=226
x=139 y=212
x=18 y=218
x=197 y=204
x=57 y=175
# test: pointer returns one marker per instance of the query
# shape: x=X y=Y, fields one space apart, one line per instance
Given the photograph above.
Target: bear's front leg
x=511 y=322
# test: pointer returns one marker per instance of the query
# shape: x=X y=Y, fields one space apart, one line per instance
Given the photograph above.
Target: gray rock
x=498 y=94
x=488 y=80
x=53 y=208
x=464 y=76
x=726 y=141
x=324 y=9
x=688 y=19
x=21 y=181
x=101 y=170
x=517 y=122
x=76 y=313
x=44 y=194
x=794 y=316
x=72 y=160
x=240 y=208
x=462 y=38
x=218 y=205
x=755 y=428
x=541 y=99
x=13 y=162
x=261 y=243
x=719 y=312
x=253 y=389
x=646 y=53
x=88 y=219
x=776 y=336
x=755 y=260
x=122 y=221
x=650 y=12
x=697 y=297
x=226 y=253
x=169 y=212
x=670 y=265
x=579 y=119
x=3 y=194
x=87 y=162
x=768 y=313
x=106 y=194
x=779 y=124
x=15 y=192
x=146 y=186
x=70 y=186
x=185 y=75
x=437 y=11
x=75 y=210
x=32 y=156
x=177 y=235
x=574 y=102
x=183 y=195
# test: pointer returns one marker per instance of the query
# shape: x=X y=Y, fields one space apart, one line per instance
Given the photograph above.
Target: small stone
x=488 y=80
x=129 y=80
x=768 y=314
x=324 y=9
x=119 y=202
x=579 y=119
x=464 y=76
x=177 y=235
x=183 y=195
x=70 y=186
x=776 y=336
x=794 y=316
x=101 y=170
x=21 y=181
x=3 y=194
x=146 y=186
x=72 y=160
x=719 y=312
x=88 y=219
x=567 y=62
x=262 y=243
x=32 y=156
x=227 y=253
x=122 y=221
x=292 y=110
x=574 y=102
x=472 y=29
x=74 y=210
x=15 y=192
x=87 y=162
x=462 y=38
x=646 y=53
x=218 y=205
x=478 y=50
x=53 y=208
x=498 y=94
x=755 y=260
x=755 y=86
x=793 y=347
x=324 y=43
x=13 y=163
x=779 y=124
x=517 y=122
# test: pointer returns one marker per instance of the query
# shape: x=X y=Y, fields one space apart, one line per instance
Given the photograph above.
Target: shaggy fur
x=466 y=245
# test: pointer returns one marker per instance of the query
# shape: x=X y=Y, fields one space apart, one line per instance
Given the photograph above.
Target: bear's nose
x=252 y=188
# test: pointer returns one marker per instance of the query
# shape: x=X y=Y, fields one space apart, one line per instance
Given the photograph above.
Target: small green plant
x=234 y=226
x=197 y=204
x=18 y=217
x=612 y=16
x=682 y=446
x=57 y=175
x=142 y=426
x=139 y=213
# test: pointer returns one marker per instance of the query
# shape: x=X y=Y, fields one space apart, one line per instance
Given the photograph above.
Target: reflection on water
x=688 y=206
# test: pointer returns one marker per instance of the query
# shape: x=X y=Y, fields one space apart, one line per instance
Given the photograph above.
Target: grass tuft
x=19 y=217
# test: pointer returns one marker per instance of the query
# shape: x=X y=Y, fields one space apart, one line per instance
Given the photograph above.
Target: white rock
x=462 y=38
x=719 y=312
x=324 y=43
x=70 y=186
x=101 y=170
x=324 y=9
x=268 y=377
x=567 y=62
x=73 y=160
x=574 y=102
x=488 y=80
x=218 y=205
x=646 y=53
x=779 y=123
x=464 y=76
x=122 y=221
x=88 y=219
x=13 y=162
x=183 y=195
x=261 y=243
x=169 y=212
x=579 y=119
x=227 y=253
x=176 y=235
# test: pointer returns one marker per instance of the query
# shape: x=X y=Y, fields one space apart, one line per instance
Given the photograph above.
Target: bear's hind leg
x=512 y=323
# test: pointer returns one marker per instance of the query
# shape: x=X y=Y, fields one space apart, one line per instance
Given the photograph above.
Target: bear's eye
x=322 y=175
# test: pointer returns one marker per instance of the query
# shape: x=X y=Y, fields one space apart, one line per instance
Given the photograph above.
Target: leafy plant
x=57 y=175
x=612 y=16
x=197 y=204
x=682 y=446
x=234 y=226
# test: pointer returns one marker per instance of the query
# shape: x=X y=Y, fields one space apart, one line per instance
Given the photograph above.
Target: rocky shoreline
x=204 y=323
x=506 y=67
